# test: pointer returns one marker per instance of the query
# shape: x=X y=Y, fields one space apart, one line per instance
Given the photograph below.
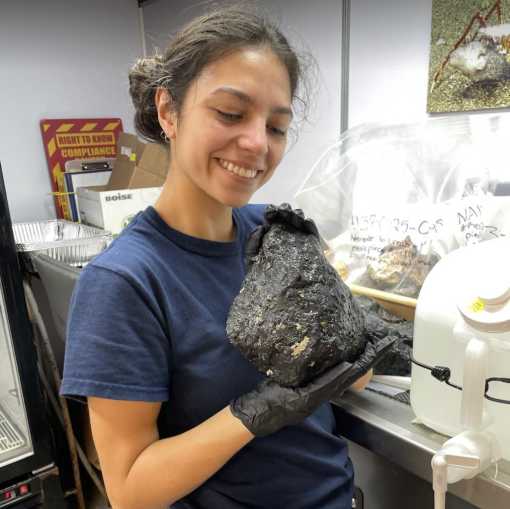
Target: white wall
x=318 y=25
x=389 y=59
x=70 y=59
x=389 y=62
x=58 y=59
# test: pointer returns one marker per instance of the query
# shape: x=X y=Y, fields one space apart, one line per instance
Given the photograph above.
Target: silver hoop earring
x=165 y=137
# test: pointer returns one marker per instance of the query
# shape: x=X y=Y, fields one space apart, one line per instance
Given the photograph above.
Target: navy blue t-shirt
x=147 y=323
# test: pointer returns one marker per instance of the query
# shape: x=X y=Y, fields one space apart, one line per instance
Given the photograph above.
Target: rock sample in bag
x=400 y=268
x=294 y=318
x=381 y=324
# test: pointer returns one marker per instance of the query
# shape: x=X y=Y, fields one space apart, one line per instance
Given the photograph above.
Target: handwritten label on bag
x=497 y=214
x=371 y=233
x=470 y=223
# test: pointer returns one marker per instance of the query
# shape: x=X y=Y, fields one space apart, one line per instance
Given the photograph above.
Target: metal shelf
x=10 y=437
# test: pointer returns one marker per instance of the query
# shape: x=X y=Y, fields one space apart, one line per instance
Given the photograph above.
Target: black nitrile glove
x=373 y=353
x=270 y=407
x=273 y=214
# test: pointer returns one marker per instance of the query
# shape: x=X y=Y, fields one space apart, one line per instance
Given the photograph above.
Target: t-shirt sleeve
x=116 y=345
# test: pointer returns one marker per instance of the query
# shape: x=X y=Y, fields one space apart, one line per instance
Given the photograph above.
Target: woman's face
x=232 y=131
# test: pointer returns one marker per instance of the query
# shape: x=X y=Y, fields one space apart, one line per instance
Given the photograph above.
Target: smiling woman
x=235 y=79
x=147 y=347
x=244 y=124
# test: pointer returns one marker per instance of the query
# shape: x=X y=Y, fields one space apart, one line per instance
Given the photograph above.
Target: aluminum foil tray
x=71 y=243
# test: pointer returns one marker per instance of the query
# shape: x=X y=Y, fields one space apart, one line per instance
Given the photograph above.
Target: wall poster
x=469 y=55
x=82 y=138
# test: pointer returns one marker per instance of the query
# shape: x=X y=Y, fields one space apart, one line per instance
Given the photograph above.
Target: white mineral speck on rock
x=297 y=348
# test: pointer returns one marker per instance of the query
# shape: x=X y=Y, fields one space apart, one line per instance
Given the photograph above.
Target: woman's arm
x=360 y=384
x=140 y=470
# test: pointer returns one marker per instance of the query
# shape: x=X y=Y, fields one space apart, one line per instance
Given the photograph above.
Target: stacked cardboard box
x=137 y=178
x=138 y=165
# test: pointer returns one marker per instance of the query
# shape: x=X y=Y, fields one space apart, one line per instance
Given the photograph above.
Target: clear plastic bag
x=391 y=200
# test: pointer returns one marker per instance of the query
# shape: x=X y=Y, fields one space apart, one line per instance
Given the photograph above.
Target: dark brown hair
x=226 y=28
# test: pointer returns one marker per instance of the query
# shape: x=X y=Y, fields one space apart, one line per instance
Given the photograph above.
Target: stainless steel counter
x=383 y=427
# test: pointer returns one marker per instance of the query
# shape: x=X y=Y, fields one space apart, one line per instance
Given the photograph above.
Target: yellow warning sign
x=67 y=139
x=84 y=140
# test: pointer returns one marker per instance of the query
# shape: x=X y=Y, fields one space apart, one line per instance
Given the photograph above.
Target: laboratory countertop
x=383 y=426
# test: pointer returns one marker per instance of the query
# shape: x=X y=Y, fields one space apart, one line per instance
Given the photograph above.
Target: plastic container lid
x=488 y=308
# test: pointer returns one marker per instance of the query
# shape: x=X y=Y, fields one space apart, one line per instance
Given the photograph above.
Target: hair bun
x=142 y=78
x=143 y=83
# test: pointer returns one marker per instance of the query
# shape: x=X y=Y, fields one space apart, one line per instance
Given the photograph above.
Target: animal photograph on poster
x=469 y=55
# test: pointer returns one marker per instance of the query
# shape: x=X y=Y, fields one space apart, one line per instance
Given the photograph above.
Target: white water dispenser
x=462 y=339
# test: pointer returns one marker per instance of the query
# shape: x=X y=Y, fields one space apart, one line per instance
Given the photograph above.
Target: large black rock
x=294 y=318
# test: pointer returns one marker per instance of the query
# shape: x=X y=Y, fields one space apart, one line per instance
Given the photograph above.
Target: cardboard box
x=113 y=210
x=129 y=149
x=135 y=183
x=125 y=176
x=138 y=165
x=154 y=160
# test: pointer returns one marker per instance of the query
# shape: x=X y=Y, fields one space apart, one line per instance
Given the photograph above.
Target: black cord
x=443 y=374
x=495 y=379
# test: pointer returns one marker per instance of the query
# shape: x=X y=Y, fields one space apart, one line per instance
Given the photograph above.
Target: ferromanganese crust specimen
x=294 y=318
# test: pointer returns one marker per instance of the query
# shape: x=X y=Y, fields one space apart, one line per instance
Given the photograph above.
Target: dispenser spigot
x=462 y=457
x=440 y=464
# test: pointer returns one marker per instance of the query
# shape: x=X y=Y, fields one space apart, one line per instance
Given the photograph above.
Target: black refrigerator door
x=25 y=444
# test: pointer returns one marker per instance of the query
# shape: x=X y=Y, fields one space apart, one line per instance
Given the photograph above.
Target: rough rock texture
x=294 y=318
x=381 y=324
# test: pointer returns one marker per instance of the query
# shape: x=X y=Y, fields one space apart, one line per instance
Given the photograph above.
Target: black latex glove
x=273 y=214
x=270 y=407
x=373 y=353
